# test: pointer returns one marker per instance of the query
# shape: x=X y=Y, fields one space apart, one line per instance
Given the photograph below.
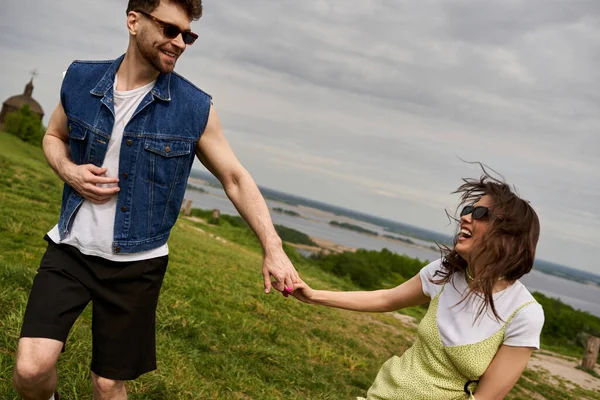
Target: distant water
x=316 y=224
x=575 y=294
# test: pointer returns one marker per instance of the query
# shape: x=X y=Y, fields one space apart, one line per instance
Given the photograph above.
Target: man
x=123 y=139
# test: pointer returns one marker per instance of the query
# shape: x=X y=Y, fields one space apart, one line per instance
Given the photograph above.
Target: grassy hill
x=218 y=335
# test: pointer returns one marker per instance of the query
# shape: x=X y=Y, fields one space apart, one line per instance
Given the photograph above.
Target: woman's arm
x=504 y=371
x=408 y=294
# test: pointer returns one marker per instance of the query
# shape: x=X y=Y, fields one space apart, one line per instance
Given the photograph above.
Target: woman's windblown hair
x=507 y=249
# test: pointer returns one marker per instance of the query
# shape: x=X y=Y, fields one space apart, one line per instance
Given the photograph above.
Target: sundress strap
x=519 y=309
x=469 y=385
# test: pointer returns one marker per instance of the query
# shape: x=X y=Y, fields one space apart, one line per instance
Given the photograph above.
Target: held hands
x=287 y=280
x=303 y=292
x=276 y=264
x=85 y=179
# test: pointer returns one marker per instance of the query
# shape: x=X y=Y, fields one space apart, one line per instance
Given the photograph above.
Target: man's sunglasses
x=479 y=212
x=172 y=31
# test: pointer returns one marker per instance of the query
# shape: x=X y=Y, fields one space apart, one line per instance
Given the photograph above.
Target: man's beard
x=152 y=56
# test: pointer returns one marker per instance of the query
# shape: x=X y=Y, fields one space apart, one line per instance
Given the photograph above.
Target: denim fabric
x=156 y=153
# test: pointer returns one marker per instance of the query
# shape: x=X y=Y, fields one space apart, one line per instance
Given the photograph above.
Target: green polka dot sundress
x=431 y=371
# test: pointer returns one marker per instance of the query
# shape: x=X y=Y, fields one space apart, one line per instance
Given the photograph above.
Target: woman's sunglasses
x=479 y=212
x=172 y=31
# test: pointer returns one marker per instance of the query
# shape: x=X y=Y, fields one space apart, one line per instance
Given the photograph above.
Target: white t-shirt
x=457 y=324
x=93 y=225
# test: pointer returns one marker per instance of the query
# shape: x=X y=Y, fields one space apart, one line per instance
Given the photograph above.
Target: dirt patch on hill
x=564 y=368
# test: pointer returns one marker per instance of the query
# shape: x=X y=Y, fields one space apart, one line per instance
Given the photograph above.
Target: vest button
x=70 y=128
x=124 y=175
x=117 y=249
x=167 y=149
x=129 y=142
x=124 y=209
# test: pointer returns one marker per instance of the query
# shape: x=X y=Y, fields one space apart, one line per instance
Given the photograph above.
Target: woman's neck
x=471 y=276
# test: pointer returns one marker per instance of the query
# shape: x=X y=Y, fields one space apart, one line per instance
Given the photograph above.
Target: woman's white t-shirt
x=457 y=323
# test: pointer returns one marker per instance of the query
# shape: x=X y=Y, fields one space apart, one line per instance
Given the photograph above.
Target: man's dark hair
x=192 y=7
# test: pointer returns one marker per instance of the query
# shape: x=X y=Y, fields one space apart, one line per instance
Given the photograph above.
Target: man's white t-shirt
x=457 y=324
x=93 y=225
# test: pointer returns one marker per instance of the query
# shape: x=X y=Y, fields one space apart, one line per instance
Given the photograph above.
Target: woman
x=482 y=324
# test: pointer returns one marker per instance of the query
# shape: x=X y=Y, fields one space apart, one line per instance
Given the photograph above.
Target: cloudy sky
x=372 y=104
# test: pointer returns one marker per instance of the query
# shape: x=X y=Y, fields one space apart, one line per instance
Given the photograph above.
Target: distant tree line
x=353 y=227
x=284 y=211
x=405 y=240
x=293 y=236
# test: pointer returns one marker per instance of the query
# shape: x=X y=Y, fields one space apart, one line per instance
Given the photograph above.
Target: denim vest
x=156 y=155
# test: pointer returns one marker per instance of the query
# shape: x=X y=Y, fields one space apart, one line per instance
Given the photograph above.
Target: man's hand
x=85 y=180
x=276 y=264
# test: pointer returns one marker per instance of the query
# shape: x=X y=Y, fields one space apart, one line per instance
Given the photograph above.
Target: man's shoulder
x=88 y=66
x=108 y=62
x=187 y=86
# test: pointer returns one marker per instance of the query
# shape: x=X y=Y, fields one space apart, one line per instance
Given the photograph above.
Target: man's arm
x=82 y=178
x=216 y=155
x=504 y=371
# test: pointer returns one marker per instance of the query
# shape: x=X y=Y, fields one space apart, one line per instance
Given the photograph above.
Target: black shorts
x=124 y=296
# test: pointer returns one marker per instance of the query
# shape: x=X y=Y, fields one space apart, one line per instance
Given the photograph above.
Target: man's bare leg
x=108 y=389
x=35 y=370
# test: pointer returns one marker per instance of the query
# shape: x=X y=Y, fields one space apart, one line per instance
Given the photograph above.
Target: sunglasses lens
x=466 y=211
x=189 y=37
x=171 y=31
x=480 y=212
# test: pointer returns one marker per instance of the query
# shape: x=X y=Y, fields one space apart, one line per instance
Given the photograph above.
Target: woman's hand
x=303 y=292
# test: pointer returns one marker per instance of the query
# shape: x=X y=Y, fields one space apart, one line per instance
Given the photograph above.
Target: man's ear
x=133 y=22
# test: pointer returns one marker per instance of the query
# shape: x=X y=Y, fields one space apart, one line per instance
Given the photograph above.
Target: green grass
x=569 y=351
x=218 y=335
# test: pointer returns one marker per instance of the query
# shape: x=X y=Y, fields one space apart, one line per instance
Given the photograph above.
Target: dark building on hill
x=15 y=103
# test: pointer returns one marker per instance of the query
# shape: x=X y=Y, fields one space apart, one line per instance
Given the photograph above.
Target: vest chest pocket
x=166 y=161
x=77 y=142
